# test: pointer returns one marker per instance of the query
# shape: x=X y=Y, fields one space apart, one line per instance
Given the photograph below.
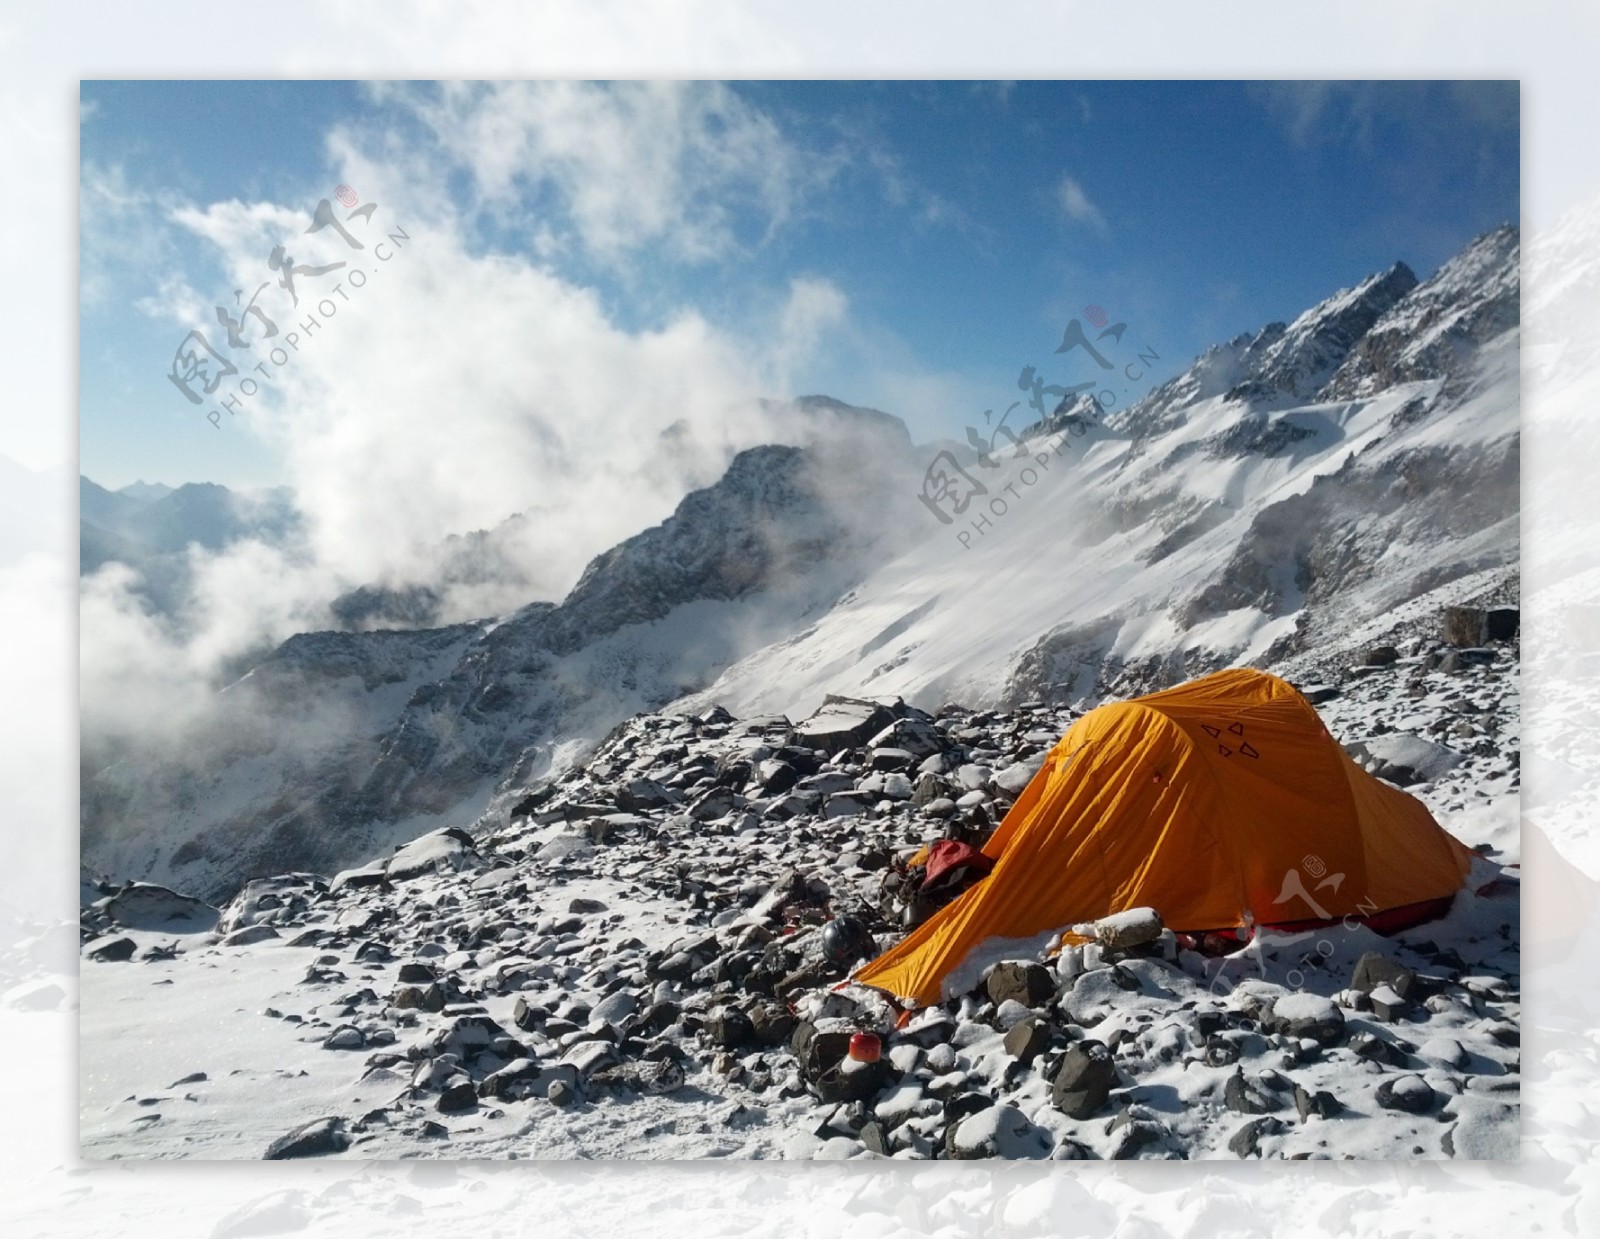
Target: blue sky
x=912 y=244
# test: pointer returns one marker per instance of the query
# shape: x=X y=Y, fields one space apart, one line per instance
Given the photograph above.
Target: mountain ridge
x=1287 y=484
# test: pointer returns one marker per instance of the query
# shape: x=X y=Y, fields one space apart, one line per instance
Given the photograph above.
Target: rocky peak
x=1220 y=369
x=721 y=542
x=1307 y=353
x=836 y=415
x=1431 y=332
x=1386 y=330
x=413 y=723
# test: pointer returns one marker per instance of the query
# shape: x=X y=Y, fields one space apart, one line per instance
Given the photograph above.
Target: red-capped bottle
x=865 y=1047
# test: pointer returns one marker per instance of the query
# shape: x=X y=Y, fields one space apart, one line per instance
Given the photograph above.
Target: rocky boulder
x=1031 y=985
x=1305 y=1015
x=448 y=849
x=843 y=723
x=1083 y=1079
x=146 y=906
x=997 y=1132
x=314 y=1140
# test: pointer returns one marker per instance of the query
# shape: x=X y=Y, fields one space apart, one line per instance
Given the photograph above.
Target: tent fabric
x=1223 y=802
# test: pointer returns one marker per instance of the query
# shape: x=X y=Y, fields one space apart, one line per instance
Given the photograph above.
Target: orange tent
x=1220 y=803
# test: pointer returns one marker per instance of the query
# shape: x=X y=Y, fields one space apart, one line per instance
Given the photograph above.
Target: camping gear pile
x=915 y=887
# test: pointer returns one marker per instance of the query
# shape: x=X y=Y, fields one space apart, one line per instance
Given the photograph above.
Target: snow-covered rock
x=640 y=984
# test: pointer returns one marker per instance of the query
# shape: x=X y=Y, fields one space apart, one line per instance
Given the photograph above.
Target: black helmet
x=845 y=940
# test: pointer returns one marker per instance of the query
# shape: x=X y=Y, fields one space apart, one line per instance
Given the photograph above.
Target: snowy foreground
x=606 y=975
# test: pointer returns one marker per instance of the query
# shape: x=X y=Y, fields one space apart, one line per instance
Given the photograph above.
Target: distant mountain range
x=146 y=490
x=145 y=521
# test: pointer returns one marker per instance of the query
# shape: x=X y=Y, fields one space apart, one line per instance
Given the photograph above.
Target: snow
x=434 y=851
x=1304 y=1006
x=264 y=1078
x=960 y=616
x=1087 y=558
x=1428 y=760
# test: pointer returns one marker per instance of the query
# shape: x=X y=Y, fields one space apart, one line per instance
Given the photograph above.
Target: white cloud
x=1347 y=113
x=451 y=389
x=233 y=225
x=1074 y=202
x=1311 y=111
x=688 y=169
x=120 y=226
x=813 y=310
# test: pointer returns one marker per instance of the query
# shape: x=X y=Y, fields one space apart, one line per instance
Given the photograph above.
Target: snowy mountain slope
x=1297 y=363
x=154 y=529
x=1211 y=523
x=471 y=574
x=318 y=701
x=1469 y=301
x=343 y=743
x=1289 y=487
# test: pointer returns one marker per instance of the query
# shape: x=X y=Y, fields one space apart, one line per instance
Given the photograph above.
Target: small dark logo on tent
x=1235 y=733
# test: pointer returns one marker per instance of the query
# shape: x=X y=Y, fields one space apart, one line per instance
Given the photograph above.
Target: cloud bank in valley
x=469 y=377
